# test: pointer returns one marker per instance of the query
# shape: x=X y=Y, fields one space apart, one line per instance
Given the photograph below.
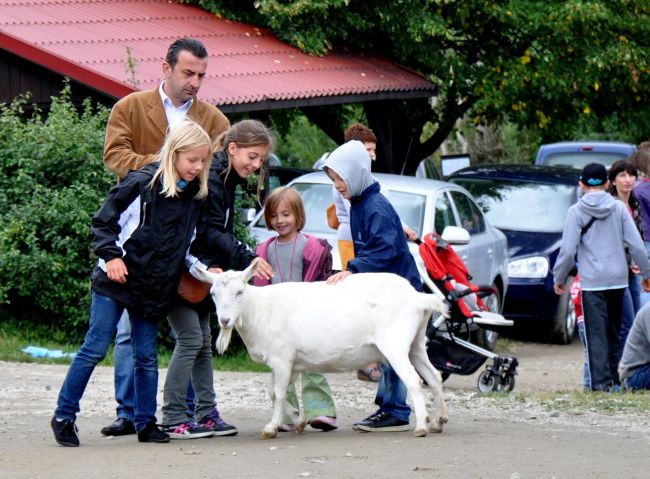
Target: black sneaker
x=120 y=427
x=355 y=426
x=218 y=425
x=65 y=432
x=151 y=433
x=382 y=421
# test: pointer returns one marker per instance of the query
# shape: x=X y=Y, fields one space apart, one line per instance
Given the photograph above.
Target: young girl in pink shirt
x=297 y=256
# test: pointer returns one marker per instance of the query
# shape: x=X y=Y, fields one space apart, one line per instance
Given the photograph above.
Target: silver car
x=424 y=205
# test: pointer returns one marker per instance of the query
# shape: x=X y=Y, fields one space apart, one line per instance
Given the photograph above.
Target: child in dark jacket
x=242 y=152
x=598 y=228
x=379 y=246
x=142 y=233
x=297 y=256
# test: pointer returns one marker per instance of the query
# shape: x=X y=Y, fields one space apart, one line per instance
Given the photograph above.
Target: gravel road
x=486 y=437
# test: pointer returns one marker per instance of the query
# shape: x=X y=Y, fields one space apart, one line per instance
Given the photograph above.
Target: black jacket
x=154 y=251
x=216 y=245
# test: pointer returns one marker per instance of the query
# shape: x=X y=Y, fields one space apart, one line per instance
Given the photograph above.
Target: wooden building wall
x=19 y=76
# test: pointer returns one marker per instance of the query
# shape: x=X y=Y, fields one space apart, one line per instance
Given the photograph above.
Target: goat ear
x=205 y=275
x=250 y=271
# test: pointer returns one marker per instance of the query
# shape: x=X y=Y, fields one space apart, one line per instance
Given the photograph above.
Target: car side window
x=444 y=213
x=471 y=217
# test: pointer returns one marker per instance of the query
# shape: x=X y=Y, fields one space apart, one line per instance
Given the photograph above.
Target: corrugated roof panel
x=87 y=40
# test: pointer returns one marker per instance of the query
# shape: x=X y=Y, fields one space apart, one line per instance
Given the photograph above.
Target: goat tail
x=223 y=340
x=435 y=303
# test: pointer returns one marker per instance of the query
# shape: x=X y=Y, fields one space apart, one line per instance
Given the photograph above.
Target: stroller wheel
x=487 y=381
x=506 y=384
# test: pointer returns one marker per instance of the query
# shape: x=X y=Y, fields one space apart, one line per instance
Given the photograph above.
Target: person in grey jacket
x=598 y=227
x=634 y=368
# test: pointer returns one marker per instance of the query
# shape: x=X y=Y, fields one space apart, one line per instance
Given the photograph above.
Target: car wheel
x=487 y=338
x=564 y=323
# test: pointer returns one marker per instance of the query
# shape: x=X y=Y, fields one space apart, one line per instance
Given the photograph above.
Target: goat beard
x=223 y=340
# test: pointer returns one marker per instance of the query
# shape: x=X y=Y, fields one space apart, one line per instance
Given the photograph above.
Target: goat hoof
x=268 y=434
x=421 y=432
x=437 y=427
x=301 y=427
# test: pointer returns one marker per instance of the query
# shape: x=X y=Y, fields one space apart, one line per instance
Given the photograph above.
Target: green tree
x=568 y=68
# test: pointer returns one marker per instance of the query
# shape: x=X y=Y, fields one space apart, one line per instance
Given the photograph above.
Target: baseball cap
x=594 y=174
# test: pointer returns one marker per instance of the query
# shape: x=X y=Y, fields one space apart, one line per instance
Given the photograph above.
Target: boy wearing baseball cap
x=597 y=229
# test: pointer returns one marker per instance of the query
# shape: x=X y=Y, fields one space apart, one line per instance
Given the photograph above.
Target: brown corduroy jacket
x=137 y=127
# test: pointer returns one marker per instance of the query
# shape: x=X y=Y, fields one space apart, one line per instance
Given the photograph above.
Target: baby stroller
x=449 y=347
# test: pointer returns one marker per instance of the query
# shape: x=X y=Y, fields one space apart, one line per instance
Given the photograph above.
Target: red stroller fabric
x=444 y=265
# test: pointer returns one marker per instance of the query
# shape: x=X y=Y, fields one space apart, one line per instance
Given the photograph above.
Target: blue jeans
x=123 y=357
x=645 y=297
x=124 y=380
x=640 y=379
x=635 y=291
x=586 y=380
x=104 y=316
x=627 y=319
x=391 y=394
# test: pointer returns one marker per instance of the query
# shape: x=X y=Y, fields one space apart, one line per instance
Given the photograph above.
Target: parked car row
x=529 y=204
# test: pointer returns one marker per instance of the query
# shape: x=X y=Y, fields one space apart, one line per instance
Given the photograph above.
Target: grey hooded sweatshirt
x=637 y=346
x=601 y=250
x=352 y=163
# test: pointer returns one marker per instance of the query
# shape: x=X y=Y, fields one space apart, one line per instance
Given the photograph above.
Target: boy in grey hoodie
x=597 y=229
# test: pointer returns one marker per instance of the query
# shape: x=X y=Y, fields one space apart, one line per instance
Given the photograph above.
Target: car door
x=479 y=253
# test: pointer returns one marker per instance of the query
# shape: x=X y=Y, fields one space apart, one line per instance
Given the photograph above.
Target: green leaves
x=534 y=62
x=52 y=180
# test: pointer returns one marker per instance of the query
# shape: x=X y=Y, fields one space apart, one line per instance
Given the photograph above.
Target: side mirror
x=455 y=235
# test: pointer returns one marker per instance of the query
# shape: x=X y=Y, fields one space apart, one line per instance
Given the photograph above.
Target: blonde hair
x=292 y=199
x=244 y=134
x=187 y=136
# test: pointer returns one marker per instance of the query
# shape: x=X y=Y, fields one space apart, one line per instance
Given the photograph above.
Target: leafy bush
x=52 y=180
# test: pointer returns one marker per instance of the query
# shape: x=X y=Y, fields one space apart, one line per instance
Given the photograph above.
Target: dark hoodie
x=379 y=242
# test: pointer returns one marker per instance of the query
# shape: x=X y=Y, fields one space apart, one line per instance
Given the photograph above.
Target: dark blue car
x=529 y=204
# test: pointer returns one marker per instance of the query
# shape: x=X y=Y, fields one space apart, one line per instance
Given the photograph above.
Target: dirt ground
x=485 y=438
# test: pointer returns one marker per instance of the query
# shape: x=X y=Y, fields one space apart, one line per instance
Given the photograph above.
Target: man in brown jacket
x=138 y=123
x=135 y=132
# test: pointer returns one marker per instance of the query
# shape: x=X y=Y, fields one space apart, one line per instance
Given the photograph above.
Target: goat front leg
x=279 y=383
x=292 y=411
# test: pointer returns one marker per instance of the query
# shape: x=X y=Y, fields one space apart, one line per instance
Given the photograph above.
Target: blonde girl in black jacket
x=142 y=233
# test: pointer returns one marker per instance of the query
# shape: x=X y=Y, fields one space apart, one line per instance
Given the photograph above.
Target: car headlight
x=532 y=267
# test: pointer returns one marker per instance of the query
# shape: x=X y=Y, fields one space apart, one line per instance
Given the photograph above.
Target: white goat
x=317 y=327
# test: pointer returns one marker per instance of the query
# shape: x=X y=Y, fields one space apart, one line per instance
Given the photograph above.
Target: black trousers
x=603 y=311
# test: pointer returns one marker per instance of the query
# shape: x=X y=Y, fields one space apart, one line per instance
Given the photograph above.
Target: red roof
x=87 y=39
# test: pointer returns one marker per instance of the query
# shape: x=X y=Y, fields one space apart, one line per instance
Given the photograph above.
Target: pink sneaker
x=286 y=428
x=324 y=423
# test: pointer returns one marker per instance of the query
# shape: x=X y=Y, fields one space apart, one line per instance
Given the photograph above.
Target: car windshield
x=318 y=196
x=522 y=206
x=581 y=159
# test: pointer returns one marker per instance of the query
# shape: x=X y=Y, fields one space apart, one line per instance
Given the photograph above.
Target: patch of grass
x=13 y=341
x=578 y=402
x=239 y=361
